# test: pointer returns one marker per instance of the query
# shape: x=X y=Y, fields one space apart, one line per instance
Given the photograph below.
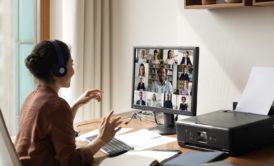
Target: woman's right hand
x=109 y=127
x=107 y=131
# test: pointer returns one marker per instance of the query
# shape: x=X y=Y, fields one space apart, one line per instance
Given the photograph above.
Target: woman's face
x=155 y=56
x=142 y=54
x=65 y=81
x=142 y=71
x=170 y=54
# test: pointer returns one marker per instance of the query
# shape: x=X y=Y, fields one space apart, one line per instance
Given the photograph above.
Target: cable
x=134 y=116
x=155 y=118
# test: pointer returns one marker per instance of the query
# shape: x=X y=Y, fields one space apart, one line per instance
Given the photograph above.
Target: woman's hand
x=85 y=98
x=88 y=95
x=108 y=128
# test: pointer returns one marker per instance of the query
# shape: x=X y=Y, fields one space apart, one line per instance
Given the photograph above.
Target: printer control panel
x=204 y=137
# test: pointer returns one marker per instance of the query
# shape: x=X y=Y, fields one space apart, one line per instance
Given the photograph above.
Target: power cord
x=135 y=115
x=155 y=118
x=138 y=115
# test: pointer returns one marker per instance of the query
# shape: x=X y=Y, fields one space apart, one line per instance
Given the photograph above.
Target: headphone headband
x=61 y=69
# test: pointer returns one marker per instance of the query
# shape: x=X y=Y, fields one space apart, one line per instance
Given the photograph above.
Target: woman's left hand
x=85 y=98
x=88 y=95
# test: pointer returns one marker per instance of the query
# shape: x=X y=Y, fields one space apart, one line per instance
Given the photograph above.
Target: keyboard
x=113 y=147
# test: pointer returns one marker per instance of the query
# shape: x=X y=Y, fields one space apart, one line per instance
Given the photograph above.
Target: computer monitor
x=165 y=80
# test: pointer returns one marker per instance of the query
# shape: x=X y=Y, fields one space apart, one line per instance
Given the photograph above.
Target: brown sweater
x=46 y=134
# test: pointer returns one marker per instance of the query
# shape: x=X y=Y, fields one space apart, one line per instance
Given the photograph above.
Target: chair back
x=8 y=155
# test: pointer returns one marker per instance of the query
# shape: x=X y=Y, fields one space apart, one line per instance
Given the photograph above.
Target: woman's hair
x=155 y=56
x=139 y=74
x=168 y=54
x=43 y=60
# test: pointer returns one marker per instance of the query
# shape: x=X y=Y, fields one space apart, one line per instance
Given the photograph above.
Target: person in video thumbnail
x=186 y=60
x=142 y=56
x=162 y=85
x=154 y=102
x=170 y=58
x=142 y=71
x=183 y=105
x=184 y=90
x=184 y=76
x=168 y=102
x=140 y=101
x=155 y=59
x=141 y=85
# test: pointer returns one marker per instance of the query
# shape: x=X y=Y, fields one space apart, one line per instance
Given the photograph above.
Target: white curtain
x=86 y=28
x=7 y=65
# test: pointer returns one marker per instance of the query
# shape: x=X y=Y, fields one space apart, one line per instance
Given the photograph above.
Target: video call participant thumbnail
x=162 y=85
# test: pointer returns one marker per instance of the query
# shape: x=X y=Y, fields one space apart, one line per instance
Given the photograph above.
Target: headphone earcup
x=60 y=71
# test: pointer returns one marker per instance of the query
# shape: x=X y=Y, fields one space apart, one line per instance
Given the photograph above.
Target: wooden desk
x=260 y=157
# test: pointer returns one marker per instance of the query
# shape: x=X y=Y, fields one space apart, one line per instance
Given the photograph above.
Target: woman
x=184 y=76
x=142 y=71
x=170 y=58
x=155 y=59
x=183 y=105
x=186 y=60
x=46 y=135
x=142 y=58
x=154 y=102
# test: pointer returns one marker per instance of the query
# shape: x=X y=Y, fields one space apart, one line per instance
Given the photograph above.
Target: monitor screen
x=165 y=79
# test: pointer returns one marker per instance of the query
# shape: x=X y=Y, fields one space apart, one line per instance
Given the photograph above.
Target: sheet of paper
x=84 y=137
x=158 y=155
x=195 y=158
x=143 y=139
x=258 y=94
x=138 y=158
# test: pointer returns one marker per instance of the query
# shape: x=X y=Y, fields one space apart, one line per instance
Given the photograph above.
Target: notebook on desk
x=139 y=158
x=195 y=158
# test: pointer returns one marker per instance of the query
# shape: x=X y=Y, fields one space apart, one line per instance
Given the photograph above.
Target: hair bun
x=33 y=60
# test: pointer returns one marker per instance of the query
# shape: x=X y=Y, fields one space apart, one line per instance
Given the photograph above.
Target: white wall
x=231 y=41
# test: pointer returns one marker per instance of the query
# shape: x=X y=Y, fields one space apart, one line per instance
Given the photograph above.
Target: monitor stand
x=168 y=128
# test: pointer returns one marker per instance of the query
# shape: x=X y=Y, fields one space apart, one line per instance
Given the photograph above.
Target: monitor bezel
x=195 y=65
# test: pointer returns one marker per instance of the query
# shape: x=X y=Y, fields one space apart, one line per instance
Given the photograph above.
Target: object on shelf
x=207 y=2
x=233 y=1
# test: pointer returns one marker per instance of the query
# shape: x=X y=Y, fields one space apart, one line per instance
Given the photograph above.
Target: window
x=16 y=40
x=7 y=62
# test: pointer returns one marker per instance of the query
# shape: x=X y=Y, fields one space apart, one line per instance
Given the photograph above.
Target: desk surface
x=260 y=157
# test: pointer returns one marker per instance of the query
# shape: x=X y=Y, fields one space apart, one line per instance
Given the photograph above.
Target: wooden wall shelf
x=263 y=2
x=220 y=4
x=215 y=6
